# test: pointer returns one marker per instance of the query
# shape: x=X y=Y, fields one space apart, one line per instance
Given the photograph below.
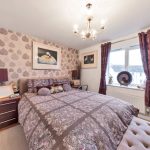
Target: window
x=128 y=59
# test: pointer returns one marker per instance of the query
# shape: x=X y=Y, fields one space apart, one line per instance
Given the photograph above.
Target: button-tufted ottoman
x=137 y=136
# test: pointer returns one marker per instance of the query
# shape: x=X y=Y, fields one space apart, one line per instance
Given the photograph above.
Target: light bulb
x=103 y=22
x=94 y=32
x=83 y=35
x=75 y=28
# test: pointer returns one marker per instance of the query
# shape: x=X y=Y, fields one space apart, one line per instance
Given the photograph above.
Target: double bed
x=77 y=120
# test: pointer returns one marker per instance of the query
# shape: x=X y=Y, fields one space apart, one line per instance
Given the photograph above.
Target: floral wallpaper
x=16 y=56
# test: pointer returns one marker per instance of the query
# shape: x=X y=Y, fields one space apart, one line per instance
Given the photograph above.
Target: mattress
x=74 y=120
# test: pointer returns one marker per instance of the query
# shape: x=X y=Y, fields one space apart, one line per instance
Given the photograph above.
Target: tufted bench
x=137 y=136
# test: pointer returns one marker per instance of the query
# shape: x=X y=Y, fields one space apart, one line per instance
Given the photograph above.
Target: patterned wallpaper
x=16 y=56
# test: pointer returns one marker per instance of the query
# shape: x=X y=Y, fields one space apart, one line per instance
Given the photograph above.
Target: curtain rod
x=125 y=40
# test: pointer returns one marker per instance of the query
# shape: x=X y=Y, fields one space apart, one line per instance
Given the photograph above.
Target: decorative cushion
x=6 y=91
x=56 y=89
x=67 y=87
x=44 y=92
x=39 y=87
x=59 y=88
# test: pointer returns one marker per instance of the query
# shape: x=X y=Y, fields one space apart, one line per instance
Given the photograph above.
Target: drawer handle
x=7 y=103
x=7 y=120
x=8 y=112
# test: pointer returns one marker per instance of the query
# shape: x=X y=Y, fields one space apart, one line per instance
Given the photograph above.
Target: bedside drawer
x=5 y=107
x=8 y=122
x=8 y=111
x=8 y=115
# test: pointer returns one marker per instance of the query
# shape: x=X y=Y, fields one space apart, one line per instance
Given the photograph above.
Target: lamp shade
x=3 y=75
x=75 y=74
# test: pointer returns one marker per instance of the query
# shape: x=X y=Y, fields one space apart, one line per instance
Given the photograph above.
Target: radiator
x=134 y=97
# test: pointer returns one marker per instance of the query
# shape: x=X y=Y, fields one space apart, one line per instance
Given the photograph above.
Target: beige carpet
x=13 y=139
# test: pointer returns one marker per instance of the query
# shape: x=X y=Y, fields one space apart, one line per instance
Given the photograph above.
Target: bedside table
x=81 y=87
x=8 y=111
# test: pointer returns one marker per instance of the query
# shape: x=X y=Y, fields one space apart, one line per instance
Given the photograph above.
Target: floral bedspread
x=74 y=120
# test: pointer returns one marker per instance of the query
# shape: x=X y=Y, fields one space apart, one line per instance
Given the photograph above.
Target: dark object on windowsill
x=124 y=78
x=141 y=87
x=3 y=75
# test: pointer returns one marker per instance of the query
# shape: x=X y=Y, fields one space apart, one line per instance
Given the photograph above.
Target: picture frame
x=89 y=59
x=46 y=57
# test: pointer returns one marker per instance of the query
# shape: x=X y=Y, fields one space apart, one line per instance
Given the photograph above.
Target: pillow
x=34 y=83
x=52 y=90
x=59 y=88
x=44 y=92
x=6 y=91
x=67 y=87
x=39 y=87
x=56 y=89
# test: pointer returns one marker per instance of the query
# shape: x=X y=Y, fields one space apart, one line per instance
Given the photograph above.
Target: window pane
x=116 y=64
x=136 y=67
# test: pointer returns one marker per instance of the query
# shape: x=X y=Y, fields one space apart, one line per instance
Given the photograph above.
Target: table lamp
x=3 y=76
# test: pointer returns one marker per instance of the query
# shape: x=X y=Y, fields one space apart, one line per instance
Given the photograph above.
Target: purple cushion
x=67 y=87
x=44 y=92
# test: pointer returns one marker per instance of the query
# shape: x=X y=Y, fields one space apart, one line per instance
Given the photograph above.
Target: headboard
x=23 y=85
x=24 y=81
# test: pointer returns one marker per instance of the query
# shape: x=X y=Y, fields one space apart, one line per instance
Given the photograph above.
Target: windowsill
x=126 y=87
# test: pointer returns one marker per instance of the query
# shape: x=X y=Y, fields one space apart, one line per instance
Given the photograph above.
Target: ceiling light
x=89 y=32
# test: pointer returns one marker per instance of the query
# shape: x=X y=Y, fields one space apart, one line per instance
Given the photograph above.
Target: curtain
x=144 y=39
x=105 y=50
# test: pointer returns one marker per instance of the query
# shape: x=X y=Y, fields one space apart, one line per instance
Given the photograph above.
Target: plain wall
x=91 y=76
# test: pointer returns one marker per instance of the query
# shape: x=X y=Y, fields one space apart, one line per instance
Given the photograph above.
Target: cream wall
x=91 y=77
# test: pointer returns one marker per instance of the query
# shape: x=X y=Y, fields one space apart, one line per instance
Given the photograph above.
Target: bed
x=77 y=120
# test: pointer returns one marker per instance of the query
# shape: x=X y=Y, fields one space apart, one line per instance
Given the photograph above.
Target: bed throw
x=74 y=120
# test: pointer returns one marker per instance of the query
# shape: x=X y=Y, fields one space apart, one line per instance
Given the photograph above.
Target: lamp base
x=76 y=82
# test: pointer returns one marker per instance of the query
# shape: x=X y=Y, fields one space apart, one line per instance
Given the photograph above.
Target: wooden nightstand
x=81 y=87
x=8 y=111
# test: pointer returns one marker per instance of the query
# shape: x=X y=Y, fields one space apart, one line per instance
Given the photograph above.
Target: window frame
x=126 y=63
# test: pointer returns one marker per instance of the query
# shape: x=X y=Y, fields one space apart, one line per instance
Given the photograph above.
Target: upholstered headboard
x=23 y=85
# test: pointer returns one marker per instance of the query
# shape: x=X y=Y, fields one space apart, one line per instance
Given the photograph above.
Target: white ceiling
x=53 y=19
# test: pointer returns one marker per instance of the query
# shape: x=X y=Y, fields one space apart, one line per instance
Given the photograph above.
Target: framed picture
x=46 y=57
x=89 y=60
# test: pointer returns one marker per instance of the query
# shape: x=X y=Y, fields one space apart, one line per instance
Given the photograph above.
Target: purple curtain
x=105 y=50
x=144 y=39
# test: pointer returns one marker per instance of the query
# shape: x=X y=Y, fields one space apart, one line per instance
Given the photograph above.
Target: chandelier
x=89 y=32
